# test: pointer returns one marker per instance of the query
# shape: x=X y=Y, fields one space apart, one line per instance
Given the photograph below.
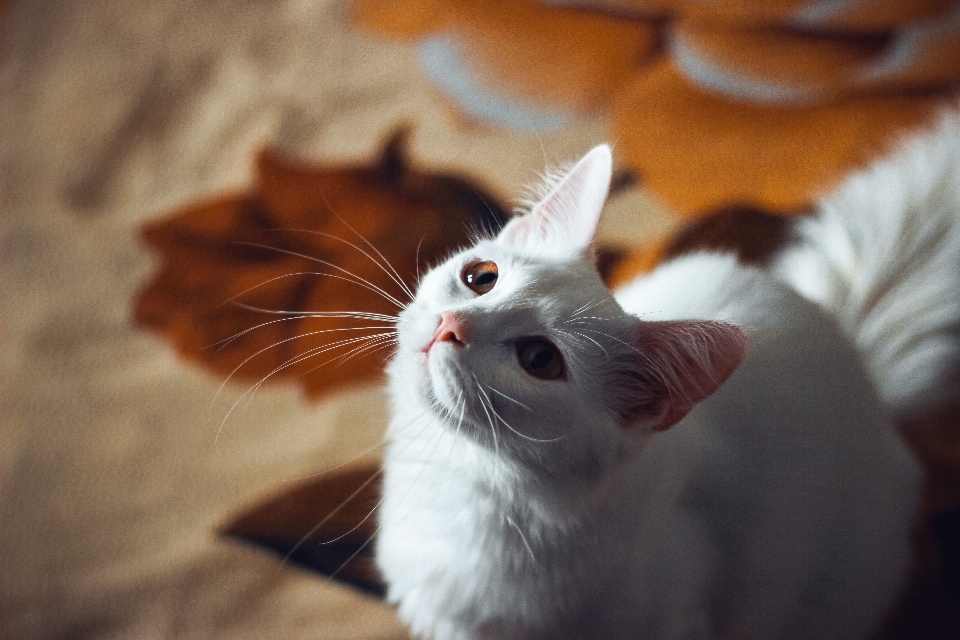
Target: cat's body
x=729 y=521
x=709 y=459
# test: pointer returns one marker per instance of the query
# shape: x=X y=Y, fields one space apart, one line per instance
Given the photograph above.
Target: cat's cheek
x=630 y=446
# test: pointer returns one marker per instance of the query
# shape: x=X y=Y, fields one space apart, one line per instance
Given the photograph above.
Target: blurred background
x=156 y=156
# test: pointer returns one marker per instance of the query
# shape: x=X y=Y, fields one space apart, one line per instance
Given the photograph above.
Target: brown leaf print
x=245 y=279
x=700 y=152
x=713 y=104
x=326 y=524
x=534 y=51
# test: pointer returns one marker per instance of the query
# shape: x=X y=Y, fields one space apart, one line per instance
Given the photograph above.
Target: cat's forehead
x=524 y=277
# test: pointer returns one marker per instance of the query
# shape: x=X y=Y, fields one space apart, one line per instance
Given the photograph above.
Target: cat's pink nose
x=451 y=329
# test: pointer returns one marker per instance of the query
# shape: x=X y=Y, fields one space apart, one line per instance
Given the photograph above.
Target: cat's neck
x=435 y=452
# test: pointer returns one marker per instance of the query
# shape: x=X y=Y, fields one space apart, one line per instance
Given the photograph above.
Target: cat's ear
x=680 y=364
x=565 y=220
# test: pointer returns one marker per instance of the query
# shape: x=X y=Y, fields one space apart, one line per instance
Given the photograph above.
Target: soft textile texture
x=113 y=485
x=716 y=104
x=111 y=482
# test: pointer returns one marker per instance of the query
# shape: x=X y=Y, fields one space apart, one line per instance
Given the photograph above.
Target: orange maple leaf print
x=300 y=277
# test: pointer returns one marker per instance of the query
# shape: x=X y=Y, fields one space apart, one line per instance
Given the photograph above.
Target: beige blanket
x=113 y=477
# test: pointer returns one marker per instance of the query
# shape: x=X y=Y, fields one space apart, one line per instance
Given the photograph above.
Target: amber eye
x=481 y=276
x=540 y=359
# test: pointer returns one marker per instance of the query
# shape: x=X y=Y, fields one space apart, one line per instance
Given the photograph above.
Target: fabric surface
x=717 y=104
x=124 y=447
x=114 y=478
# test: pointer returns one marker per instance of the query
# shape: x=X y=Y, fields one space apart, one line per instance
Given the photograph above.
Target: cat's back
x=792 y=473
x=712 y=286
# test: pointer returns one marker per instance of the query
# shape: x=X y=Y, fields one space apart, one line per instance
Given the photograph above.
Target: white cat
x=703 y=454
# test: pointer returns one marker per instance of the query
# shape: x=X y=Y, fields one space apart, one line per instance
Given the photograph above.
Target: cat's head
x=519 y=344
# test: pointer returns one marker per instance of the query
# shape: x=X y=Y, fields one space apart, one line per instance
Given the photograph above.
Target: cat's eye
x=540 y=359
x=480 y=277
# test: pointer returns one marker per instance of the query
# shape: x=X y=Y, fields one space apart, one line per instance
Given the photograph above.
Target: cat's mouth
x=445 y=376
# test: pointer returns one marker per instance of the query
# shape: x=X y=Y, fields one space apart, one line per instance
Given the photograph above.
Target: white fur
x=565 y=218
x=883 y=256
x=779 y=507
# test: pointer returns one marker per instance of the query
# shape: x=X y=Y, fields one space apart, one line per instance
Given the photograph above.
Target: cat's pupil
x=480 y=277
x=540 y=359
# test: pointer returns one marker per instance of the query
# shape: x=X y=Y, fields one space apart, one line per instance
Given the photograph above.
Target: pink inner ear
x=691 y=359
x=566 y=219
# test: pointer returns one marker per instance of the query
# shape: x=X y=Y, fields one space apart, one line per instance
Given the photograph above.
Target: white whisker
x=590 y=305
x=417 y=259
x=582 y=308
x=583 y=320
x=285 y=340
x=375 y=345
x=314 y=273
x=626 y=344
x=393 y=276
x=522 y=537
x=223 y=343
x=593 y=341
x=388 y=337
x=309 y=353
x=353 y=555
x=356 y=279
x=360 y=315
x=355 y=527
x=480 y=386
x=398 y=279
x=329 y=515
x=342 y=504
x=493 y=429
x=517 y=402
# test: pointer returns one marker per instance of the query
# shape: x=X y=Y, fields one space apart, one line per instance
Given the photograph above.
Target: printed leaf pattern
x=701 y=152
x=719 y=104
x=538 y=52
x=326 y=525
x=295 y=244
